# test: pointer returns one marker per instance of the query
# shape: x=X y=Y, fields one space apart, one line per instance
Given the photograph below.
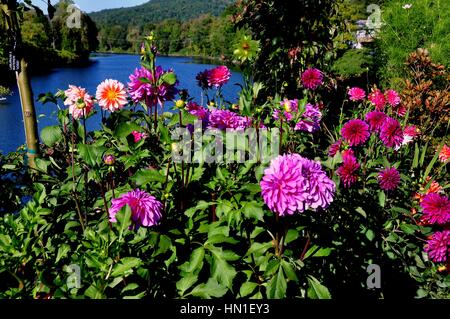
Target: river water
x=115 y=66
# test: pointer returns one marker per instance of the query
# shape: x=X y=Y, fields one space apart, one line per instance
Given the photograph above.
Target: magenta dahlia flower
x=348 y=171
x=144 y=91
x=375 y=120
x=438 y=246
x=436 y=209
x=400 y=110
x=392 y=97
x=218 y=76
x=391 y=133
x=295 y=184
x=145 y=209
x=378 y=99
x=197 y=110
x=334 y=148
x=312 y=78
x=355 y=132
x=80 y=103
x=225 y=119
x=310 y=121
x=389 y=179
x=357 y=94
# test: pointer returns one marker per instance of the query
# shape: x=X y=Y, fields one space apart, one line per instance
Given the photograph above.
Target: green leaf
x=125 y=267
x=93 y=292
x=433 y=161
x=316 y=290
x=195 y=262
x=253 y=210
x=361 y=211
x=222 y=271
x=169 y=78
x=146 y=176
x=289 y=271
x=123 y=217
x=247 y=288
x=416 y=156
x=276 y=287
x=51 y=135
x=130 y=287
x=211 y=289
x=381 y=198
x=291 y=235
x=370 y=234
x=408 y=229
x=91 y=154
x=125 y=129
x=63 y=250
x=185 y=283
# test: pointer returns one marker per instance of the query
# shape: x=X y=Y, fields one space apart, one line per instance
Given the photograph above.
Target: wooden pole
x=28 y=113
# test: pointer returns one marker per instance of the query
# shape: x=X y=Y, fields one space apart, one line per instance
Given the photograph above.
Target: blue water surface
x=114 y=66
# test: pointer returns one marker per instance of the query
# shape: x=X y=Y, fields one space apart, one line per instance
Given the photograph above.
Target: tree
x=294 y=35
x=9 y=11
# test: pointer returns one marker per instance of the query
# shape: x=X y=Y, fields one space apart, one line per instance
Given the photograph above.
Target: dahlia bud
x=109 y=160
x=180 y=104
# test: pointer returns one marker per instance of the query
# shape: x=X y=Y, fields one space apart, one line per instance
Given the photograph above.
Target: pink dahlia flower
x=111 y=95
x=409 y=134
x=378 y=99
x=389 y=179
x=295 y=184
x=79 y=101
x=312 y=78
x=138 y=136
x=145 y=209
x=357 y=94
x=334 y=148
x=436 y=209
x=392 y=97
x=375 y=120
x=218 y=76
x=444 y=155
x=391 y=133
x=355 y=132
x=438 y=246
x=225 y=119
x=348 y=171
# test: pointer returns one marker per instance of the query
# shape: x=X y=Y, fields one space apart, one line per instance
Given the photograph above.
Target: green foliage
x=425 y=25
x=158 y=10
x=353 y=63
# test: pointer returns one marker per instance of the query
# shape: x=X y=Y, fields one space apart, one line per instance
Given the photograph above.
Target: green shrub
x=425 y=24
